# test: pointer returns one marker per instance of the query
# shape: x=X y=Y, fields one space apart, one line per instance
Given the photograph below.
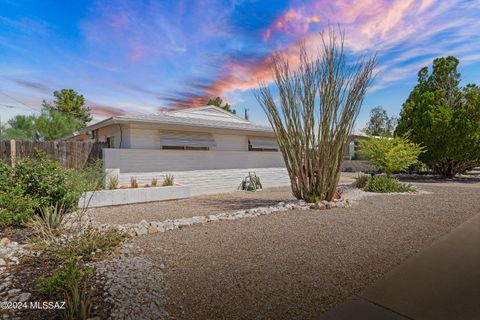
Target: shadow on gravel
x=467 y=178
x=239 y=204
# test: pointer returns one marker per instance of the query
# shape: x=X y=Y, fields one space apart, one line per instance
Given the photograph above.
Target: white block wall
x=202 y=171
x=144 y=160
x=212 y=181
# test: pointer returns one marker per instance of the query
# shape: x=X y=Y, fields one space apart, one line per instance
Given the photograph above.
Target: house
x=207 y=148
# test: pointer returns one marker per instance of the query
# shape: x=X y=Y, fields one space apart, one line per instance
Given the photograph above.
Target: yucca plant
x=315 y=113
x=49 y=221
x=154 y=182
x=113 y=183
x=168 y=180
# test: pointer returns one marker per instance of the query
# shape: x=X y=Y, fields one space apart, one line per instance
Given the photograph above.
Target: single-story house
x=207 y=148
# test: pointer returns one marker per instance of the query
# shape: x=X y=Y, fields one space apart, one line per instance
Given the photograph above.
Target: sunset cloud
x=142 y=56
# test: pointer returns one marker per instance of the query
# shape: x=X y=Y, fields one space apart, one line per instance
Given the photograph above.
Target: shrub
x=69 y=281
x=168 y=180
x=40 y=183
x=154 y=182
x=90 y=178
x=63 y=278
x=386 y=184
x=16 y=206
x=91 y=244
x=46 y=181
x=361 y=180
x=113 y=183
x=390 y=154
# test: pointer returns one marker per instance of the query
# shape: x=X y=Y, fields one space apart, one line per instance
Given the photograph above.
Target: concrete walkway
x=441 y=282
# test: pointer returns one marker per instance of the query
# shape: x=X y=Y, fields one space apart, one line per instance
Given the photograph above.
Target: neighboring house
x=207 y=148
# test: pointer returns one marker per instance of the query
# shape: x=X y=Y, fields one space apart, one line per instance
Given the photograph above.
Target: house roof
x=206 y=117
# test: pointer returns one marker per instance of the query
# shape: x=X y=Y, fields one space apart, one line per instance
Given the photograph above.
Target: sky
x=141 y=57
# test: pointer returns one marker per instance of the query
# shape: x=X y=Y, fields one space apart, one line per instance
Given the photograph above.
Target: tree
x=69 y=102
x=380 y=124
x=318 y=105
x=218 y=102
x=444 y=117
x=22 y=127
x=390 y=154
x=53 y=125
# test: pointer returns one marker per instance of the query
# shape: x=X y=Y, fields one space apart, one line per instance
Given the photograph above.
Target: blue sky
x=141 y=56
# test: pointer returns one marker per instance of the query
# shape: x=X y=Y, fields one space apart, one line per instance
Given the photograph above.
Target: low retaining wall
x=104 y=198
x=212 y=181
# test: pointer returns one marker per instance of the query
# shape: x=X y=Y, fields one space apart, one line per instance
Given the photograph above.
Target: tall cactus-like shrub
x=318 y=104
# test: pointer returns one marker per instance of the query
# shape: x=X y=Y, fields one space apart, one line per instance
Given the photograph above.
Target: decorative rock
x=212 y=218
x=4 y=242
x=141 y=231
x=14 y=292
x=24 y=297
x=321 y=206
x=153 y=227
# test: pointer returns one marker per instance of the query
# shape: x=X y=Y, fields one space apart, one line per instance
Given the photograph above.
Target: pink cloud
x=291 y=22
x=370 y=25
x=99 y=110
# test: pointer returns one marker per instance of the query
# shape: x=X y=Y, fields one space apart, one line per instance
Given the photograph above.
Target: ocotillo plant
x=318 y=104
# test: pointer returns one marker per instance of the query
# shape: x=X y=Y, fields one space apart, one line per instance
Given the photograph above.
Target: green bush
x=390 y=154
x=16 y=206
x=69 y=281
x=65 y=277
x=41 y=183
x=386 y=184
x=45 y=180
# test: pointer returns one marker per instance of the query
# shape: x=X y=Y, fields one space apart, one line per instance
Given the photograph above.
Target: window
x=111 y=142
x=184 y=148
x=262 y=144
x=183 y=140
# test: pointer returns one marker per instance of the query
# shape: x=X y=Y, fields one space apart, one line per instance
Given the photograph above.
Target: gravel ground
x=299 y=264
x=196 y=206
x=134 y=285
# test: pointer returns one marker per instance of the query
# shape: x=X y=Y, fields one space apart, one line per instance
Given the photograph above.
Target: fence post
x=13 y=152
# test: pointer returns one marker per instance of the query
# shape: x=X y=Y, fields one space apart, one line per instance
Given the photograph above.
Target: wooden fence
x=71 y=154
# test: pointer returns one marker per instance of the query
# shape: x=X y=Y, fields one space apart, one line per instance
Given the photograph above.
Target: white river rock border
x=349 y=197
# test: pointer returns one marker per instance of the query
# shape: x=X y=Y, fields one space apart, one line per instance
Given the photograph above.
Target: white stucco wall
x=121 y=136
